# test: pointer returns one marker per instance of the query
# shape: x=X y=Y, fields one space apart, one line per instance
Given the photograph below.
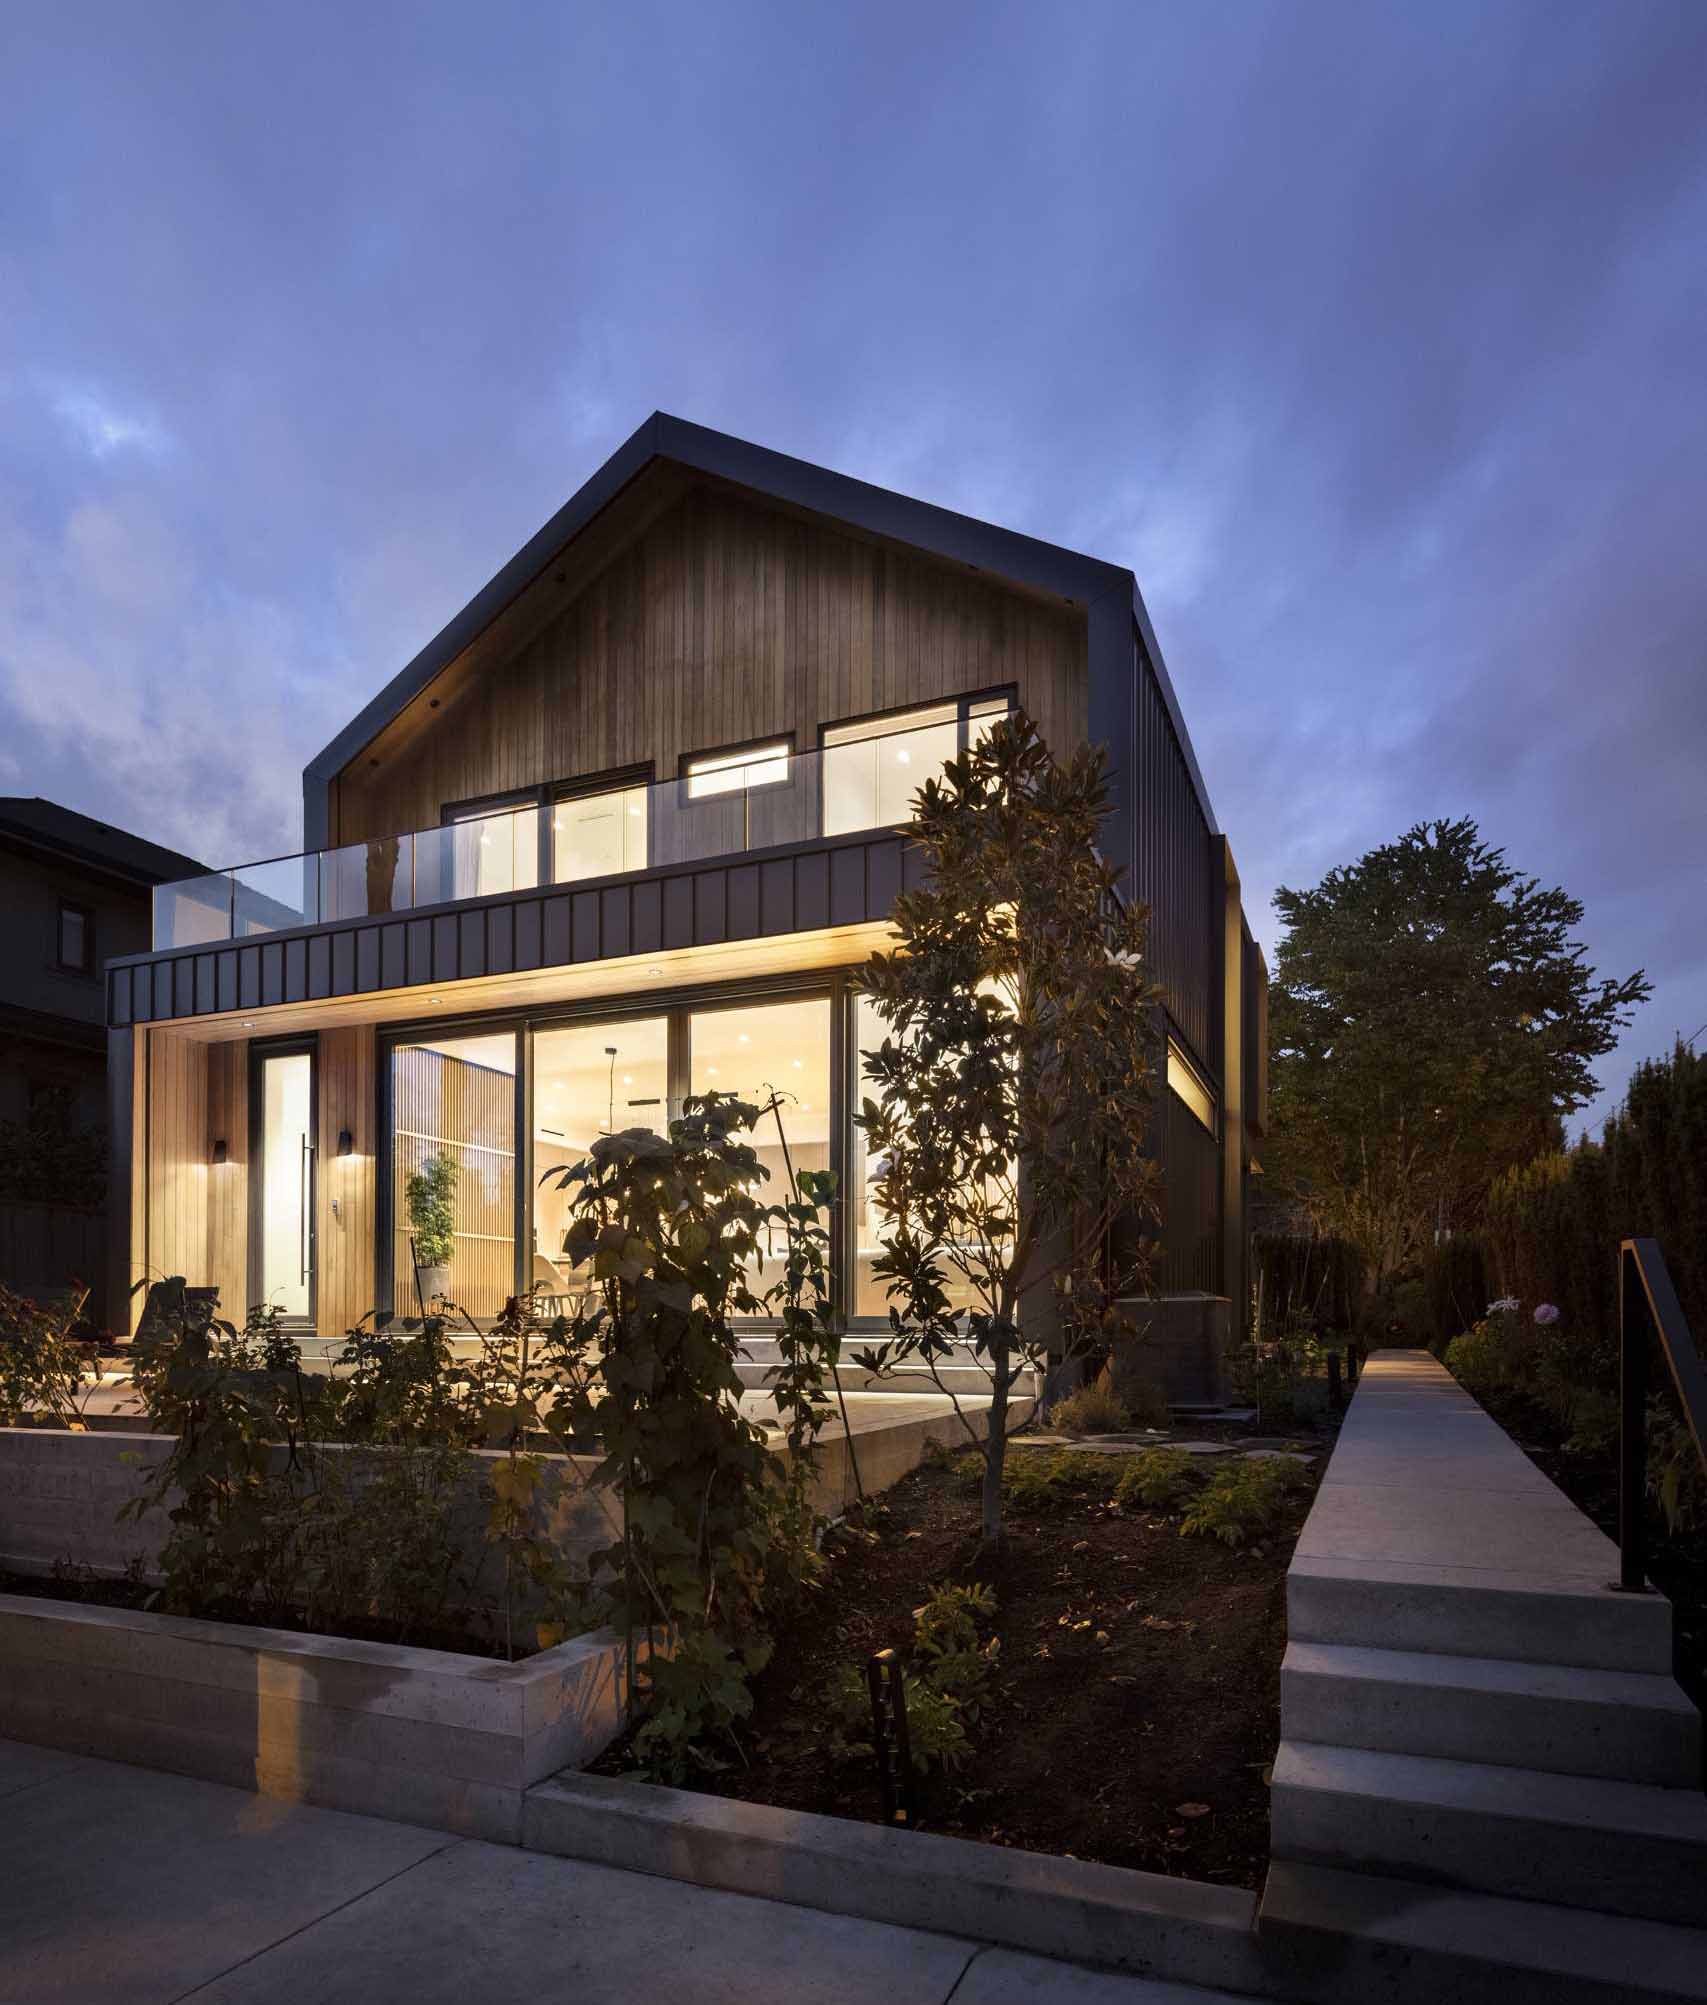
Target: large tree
x=1010 y=1126
x=1432 y=1021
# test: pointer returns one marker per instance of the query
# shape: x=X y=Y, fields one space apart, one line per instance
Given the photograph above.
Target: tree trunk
x=995 y=1455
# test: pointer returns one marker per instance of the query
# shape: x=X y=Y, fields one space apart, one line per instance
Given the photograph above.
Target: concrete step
x=1342 y=1938
x=1387 y=1604
x=1627 y=1726
x=1624 y=1848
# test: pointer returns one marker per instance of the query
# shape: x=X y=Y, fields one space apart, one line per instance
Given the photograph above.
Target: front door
x=281 y=1265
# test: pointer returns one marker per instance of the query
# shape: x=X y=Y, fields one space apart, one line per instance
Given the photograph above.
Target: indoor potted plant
x=429 y=1197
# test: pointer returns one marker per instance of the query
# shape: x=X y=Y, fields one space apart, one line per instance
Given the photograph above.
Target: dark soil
x=1149 y=1749
x=1677 y=1563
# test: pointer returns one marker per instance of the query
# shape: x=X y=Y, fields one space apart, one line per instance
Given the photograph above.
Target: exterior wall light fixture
x=221 y=1153
x=346 y=1141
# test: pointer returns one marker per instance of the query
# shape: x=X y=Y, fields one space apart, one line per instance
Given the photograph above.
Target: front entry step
x=1623 y=1848
x=1624 y=1726
x=1341 y=1938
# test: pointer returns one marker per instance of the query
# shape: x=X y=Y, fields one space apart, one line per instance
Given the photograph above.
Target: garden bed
x=1149 y=1749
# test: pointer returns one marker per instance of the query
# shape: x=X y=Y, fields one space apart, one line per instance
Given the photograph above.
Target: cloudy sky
x=1372 y=336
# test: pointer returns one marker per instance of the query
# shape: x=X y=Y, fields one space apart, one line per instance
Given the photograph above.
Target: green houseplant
x=429 y=1197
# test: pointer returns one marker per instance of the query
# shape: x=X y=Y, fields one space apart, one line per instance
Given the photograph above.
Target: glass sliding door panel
x=752 y=1051
x=870 y=1294
x=285 y=1276
x=455 y=1098
x=599 y=835
x=588 y=1080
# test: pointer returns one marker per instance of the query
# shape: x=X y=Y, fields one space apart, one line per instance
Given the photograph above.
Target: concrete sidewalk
x=124 y=1886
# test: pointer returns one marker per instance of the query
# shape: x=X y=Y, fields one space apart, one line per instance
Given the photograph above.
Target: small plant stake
x=884 y=1677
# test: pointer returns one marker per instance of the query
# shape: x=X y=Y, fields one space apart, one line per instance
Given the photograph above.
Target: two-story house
x=73 y=891
x=625 y=830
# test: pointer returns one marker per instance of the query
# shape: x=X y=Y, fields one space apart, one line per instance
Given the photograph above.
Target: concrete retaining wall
x=60 y=1495
x=424 y=1736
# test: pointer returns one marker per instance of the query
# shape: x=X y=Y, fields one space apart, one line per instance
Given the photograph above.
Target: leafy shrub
x=949 y=1651
x=1095 y=1408
x=1159 y=1479
x=1035 y=1478
x=1243 y=1500
x=43 y=1367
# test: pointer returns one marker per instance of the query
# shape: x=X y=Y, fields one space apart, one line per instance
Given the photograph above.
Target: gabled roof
x=664 y=440
x=95 y=844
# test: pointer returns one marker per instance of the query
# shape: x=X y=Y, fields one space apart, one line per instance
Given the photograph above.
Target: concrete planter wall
x=60 y=1495
x=423 y=1736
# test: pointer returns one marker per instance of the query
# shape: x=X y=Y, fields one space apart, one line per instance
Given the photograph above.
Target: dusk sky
x=1373 y=337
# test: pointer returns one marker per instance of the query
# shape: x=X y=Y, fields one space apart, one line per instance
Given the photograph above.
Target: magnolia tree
x=1013 y=1088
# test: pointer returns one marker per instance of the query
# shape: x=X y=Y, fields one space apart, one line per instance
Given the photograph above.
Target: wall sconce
x=220 y=1152
x=346 y=1141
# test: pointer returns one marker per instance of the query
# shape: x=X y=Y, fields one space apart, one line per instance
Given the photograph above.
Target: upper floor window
x=488 y=847
x=1189 y=1085
x=874 y=767
x=76 y=945
x=711 y=773
x=598 y=834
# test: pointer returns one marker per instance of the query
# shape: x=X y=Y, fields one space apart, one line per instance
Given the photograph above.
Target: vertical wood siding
x=177 y=1183
x=724 y=622
x=344 y=1238
x=228 y=1182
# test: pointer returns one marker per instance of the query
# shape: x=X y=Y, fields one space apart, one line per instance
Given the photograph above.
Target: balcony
x=764 y=797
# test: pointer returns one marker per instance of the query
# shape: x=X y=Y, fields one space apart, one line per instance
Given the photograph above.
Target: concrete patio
x=122 y=1886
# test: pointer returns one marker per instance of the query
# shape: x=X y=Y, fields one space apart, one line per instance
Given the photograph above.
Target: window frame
x=87 y=966
x=614 y=780
x=254 y=1169
x=769 y=742
x=963 y=705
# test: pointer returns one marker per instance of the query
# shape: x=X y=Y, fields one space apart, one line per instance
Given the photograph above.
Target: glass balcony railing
x=719 y=807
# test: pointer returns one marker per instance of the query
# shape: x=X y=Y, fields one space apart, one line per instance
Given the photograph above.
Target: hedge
x=1553 y=1226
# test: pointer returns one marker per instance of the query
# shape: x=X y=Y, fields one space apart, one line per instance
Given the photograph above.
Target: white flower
x=1545 y=1313
x=1506 y=1305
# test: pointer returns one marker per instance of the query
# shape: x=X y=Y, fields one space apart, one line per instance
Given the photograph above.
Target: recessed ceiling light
x=797 y=1065
x=712 y=1069
x=248 y=1023
x=628 y=1079
x=744 y=1038
x=655 y=974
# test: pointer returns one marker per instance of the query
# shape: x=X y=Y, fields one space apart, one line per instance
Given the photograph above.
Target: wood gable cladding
x=722 y=621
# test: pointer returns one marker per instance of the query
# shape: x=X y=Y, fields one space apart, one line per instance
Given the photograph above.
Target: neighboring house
x=625 y=831
x=73 y=891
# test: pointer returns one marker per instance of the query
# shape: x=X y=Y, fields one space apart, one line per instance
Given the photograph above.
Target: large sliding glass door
x=761 y=1049
x=281 y=1268
x=454 y=1172
x=588 y=1079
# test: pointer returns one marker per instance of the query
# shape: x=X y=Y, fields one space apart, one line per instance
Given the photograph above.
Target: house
x=625 y=831
x=74 y=891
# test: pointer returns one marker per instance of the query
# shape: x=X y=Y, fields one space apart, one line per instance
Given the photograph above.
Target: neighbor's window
x=76 y=938
x=737 y=772
x=1185 y=1080
x=598 y=834
x=873 y=769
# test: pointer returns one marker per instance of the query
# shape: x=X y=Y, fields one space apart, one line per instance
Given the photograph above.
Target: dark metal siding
x=1176 y=875
x=1191 y=1222
x=848 y=883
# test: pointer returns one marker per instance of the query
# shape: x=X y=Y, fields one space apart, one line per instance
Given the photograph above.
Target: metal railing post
x=1633 y=1337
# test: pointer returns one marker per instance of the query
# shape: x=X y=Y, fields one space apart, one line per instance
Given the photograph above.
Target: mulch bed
x=1149 y=1750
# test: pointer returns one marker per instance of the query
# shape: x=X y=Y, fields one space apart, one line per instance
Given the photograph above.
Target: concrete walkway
x=123 y=1886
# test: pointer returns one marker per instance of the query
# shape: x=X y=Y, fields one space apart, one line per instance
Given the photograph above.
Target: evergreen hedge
x=1553 y=1226
x=1301 y=1274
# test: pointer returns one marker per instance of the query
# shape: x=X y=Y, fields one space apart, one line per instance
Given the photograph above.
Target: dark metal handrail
x=1648 y=1306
